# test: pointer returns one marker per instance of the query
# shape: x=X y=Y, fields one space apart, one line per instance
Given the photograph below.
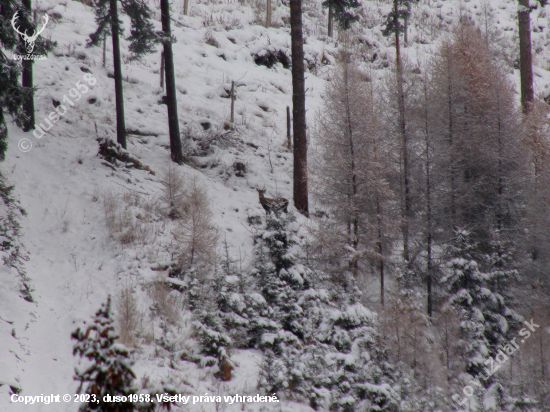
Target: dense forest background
x=343 y=203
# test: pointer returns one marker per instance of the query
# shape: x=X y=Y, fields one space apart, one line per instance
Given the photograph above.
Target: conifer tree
x=11 y=98
x=526 y=57
x=393 y=25
x=484 y=315
x=350 y=168
x=484 y=159
x=300 y=186
x=109 y=372
x=26 y=24
x=142 y=39
x=171 y=99
x=10 y=90
x=318 y=350
x=12 y=93
x=340 y=10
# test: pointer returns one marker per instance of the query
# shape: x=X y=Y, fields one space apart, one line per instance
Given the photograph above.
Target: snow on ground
x=64 y=187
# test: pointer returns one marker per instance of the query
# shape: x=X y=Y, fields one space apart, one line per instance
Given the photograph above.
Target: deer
x=270 y=205
x=29 y=40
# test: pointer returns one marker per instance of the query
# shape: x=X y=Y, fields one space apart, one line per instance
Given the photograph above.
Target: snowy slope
x=64 y=187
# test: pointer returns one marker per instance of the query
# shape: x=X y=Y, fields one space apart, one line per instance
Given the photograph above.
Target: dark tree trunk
x=429 y=209
x=104 y=49
x=330 y=22
x=119 y=91
x=162 y=70
x=299 y=109
x=232 y=104
x=406 y=204
x=171 y=102
x=27 y=82
x=525 y=56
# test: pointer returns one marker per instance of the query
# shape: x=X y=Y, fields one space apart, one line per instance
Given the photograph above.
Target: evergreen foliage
x=26 y=23
x=400 y=11
x=109 y=371
x=142 y=35
x=11 y=92
x=11 y=249
x=341 y=11
x=485 y=320
x=318 y=347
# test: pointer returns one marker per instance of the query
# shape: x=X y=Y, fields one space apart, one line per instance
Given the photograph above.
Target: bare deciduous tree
x=128 y=315
x=197 y=236
x=349 y=167
x=174 y=190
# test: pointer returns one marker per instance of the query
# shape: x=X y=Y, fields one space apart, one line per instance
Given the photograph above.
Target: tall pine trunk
x=171 y=101
x=525 y=59
x=119 y=92
x=27 y=82
x=406 y=203
x=429 y=208
x=299 y=109
x=330 y=22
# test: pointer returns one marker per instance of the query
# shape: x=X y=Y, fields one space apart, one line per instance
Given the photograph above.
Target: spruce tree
x=11 y=98
x=109 y=371
x=26 y=24
x=11 y=92
x=484 y=315
x=318 y=346
x=340 y=10
x=142 y=39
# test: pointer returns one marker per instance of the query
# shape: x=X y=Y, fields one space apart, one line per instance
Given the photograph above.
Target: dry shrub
x=327 y=250
x=196 y=235
x=211 y=40
x=451 y=347
x=125 y=217
x=405 y=328
x=128 y=316
x=165 y=303
x=174 y=190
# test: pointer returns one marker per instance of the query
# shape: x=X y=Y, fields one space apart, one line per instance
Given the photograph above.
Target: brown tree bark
x=299 y=109
x=119 y=91
x=525 y=56
x=27 y=83
x=330 y=30
x=104 y=49
x=171 y=100
x=268 y=14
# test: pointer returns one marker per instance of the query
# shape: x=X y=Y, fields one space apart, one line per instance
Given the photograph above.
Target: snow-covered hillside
x=77 y=256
